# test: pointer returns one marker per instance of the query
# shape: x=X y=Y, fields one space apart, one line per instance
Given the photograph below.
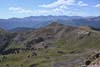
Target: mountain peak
x=55 y=24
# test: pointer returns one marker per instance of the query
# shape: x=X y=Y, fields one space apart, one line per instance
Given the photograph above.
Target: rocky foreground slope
x=55 y=45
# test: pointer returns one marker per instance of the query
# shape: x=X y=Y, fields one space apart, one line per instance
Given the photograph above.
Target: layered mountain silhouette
x=42 y=21
x=55 y=45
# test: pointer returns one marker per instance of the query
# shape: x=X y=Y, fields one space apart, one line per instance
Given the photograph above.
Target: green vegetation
x=46 y=47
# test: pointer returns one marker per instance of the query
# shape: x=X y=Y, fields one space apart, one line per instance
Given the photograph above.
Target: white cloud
x=64 y=3
x=55 y=11
x=81 y=3
x=58 y=7
x=19 y=10
x=58 y=3
x=97 y=5
x=63 y=7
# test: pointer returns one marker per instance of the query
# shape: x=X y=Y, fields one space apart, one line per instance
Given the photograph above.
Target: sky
x=25 y=8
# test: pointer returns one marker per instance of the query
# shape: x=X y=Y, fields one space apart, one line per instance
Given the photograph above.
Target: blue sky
x=24 y=8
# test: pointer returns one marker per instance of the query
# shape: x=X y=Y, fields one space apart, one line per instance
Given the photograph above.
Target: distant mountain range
x=41 y=21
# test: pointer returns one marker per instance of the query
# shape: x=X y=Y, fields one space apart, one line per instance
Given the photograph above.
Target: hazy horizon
x=49 y=16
